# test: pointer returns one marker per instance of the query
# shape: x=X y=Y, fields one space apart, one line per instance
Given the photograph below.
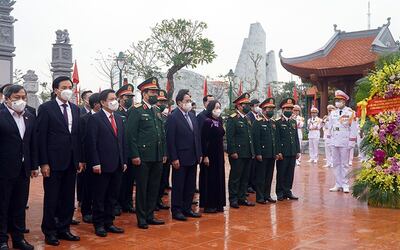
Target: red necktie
x=113 y=125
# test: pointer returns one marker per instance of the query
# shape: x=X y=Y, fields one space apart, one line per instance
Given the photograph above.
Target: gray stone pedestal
x=6 y=41
x=31 y=86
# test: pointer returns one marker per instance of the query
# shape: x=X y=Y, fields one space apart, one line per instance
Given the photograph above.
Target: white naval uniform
x=342 y=127
x=328 y=149
x=300 y=125
x=314 y=126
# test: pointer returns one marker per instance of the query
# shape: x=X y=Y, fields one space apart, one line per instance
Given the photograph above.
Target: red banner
x=378 y=105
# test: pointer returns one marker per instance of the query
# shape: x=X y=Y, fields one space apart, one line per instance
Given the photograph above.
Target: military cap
x=125 y=90
x=287 y=103
x=162 y=95
x=314 y=110
x=244 y=98
x=268 y=103
x=151 y=83
x=341 y=95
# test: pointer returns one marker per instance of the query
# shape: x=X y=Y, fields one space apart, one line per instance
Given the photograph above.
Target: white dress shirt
x=108 y=116
x=19 y=120
x=69 y=112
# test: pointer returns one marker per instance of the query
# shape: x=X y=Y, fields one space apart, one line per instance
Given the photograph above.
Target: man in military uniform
x=264 y=136
x=314 y=125
x=125 y=199
x=342 y=130
x=240 y=151
x=162 y=106
x=300 y=124
x=288 y=150
x=145 y=136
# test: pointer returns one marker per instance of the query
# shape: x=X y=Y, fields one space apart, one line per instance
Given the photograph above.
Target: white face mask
x=217 y=112
x=113 y=105
x=66 y=94
x=187 y=107
x=258 y=110
x=165 y=111
x=18 y=106
x=339 y=105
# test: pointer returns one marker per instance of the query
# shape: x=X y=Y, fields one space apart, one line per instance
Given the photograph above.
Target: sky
x=296 y=26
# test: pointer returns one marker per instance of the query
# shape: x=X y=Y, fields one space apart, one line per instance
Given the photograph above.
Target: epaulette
x=233 y=115
x=138 y=105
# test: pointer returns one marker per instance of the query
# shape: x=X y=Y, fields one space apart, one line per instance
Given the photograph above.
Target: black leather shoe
x=155 y=222
x=23 y=245
x=143 y=226
x=4 y=246
x=210 y=210
x=250 y=190
x=280 y=198
x=100 y=231
x=192 y=214
x=51 y=240
x=115 y=230
x=292 y=197
x=263 y=202
x=117 y=211
x=68 y=236
x=162 y=206
x=88 y=219
x=179 y=216
x=26 y=231
x=269 y=199
x=246 y=203
x=234 y=205
x=75 y=222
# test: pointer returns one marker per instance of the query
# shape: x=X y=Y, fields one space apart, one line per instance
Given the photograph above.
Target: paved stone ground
x=319 y=220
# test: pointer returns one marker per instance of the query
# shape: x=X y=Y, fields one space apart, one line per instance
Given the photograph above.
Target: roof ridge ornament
x=388 y=22
x=335 y=29
x=280 y=53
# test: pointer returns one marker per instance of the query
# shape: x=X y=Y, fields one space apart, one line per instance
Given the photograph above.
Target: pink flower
x=379 y=156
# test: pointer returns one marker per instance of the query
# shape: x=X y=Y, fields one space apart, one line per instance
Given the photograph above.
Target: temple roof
x=346 y=53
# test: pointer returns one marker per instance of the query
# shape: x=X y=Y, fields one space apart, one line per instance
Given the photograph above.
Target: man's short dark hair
x=84 y=93
x=205 y=99
x=181 y=94
x=94 y=99
x=4 y=87
x=104 y=94
x=56 y=82
x=254 y=102
x=12 y=89
x=193 y=104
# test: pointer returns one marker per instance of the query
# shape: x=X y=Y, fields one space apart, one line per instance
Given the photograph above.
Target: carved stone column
x=31 y=86
x=6 y=41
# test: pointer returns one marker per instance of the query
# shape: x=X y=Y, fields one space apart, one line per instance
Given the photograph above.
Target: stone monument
x=6 y=41
x=255 y=64
x=31 y=86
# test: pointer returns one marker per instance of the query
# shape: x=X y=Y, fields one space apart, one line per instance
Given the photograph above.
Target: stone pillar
x=31 y=86
x=6 y=41
x=61 y=54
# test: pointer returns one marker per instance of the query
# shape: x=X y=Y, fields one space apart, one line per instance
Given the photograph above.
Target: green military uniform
x=288 y=147
x=125 y=198
x=145 y=141
x=239 y=141
x=264 y=136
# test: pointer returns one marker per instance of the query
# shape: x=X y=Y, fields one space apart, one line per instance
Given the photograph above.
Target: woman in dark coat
x=212 y=170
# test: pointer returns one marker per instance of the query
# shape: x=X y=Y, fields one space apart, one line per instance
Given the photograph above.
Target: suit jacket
x=251 y=117
x=201 y=117
x=57 y=145
x=103 y=147
x=83 y=111
x=183 y=144
x=13 y=149
x=83 y=120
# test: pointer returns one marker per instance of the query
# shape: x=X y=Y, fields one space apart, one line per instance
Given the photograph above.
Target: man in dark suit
x=106 y=156
x=202 y=116
x=85 y=108
x=57 y=129
x=253 y=115
x=87 y=197
x=18 y=161
x=184 y=150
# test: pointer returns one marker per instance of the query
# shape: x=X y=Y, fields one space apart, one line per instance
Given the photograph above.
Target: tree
x=107 y=68
x=254 y=83
x=17 y=76
x=143 y=59
x=45 y=92
x=182 y=44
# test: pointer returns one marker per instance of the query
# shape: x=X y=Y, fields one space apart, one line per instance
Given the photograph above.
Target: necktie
x=65 y=113
x=189 y=121
x=340 y=112
x=113 y=125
